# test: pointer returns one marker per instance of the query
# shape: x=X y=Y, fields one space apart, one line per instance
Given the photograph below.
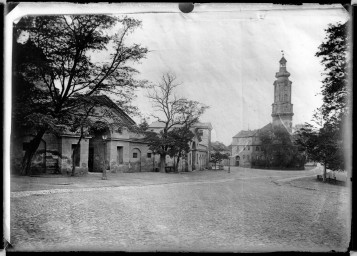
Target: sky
x=226 y=56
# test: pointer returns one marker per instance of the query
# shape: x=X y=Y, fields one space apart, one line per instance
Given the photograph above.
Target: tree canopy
x=279 y=150
x=177 y=116
x=65 y=70
x=335 y=57
x=323 y=140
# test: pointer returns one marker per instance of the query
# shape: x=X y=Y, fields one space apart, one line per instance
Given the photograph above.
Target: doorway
x=237 y=160
x=136 y=160
x=90 y=159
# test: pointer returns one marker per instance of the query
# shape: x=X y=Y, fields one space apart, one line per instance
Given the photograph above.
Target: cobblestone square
x=241 y=211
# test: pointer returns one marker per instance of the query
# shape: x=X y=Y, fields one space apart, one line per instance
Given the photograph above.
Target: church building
x=246 y=145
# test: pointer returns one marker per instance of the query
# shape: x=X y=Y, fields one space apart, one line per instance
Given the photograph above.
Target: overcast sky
x=227 y=58
x=225 y=55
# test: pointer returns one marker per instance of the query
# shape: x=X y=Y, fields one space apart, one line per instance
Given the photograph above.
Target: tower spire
x=282 y=111
x=282 y=69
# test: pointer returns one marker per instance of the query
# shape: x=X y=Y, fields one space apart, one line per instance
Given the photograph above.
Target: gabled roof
x=245 y=134
x=106 y=101
x=267 y=127
x=251 y=133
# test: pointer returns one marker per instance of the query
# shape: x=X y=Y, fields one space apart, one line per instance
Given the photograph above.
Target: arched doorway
x=135 y=160
x=237 y=161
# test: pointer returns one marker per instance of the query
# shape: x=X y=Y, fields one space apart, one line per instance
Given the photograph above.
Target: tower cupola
x=282 y=70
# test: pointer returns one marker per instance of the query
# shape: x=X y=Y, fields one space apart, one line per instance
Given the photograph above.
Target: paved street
x=245 y=210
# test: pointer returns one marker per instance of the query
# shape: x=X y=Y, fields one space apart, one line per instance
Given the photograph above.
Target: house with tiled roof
x=117 y=147
x=246 y=145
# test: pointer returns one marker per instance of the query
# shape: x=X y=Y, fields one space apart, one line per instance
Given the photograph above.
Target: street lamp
x=104 y=176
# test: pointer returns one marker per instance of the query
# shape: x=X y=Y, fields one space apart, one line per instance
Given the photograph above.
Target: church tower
x=282 y=111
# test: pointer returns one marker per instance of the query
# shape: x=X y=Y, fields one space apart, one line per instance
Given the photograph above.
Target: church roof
x=267 y=127
x=251 y=133
x=244 y=134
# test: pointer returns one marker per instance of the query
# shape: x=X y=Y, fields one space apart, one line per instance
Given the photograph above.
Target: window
x=148 y=155
x=257 y=148
x=248 y=148
x=120 y=155
x=120 y=130
x=135 y=155
x=244 y=148
x=76 y=153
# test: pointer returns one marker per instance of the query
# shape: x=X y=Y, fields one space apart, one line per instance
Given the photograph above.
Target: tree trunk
x=30 y=152
x=324 y=173
x=162 y=162
x=177 y=162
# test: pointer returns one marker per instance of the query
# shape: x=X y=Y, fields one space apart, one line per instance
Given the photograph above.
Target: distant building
x=199 y=155
x=246 y=145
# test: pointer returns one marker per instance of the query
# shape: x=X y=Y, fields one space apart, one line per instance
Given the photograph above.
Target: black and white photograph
x=178 y=127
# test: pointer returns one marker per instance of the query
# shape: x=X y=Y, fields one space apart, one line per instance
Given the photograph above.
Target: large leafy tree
x=279 y=149
x=78 y=56
x=172 y=112
x=322 y=145
x=335 y=57
x=323 y=141
x=217 y=155
x=180 y=139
